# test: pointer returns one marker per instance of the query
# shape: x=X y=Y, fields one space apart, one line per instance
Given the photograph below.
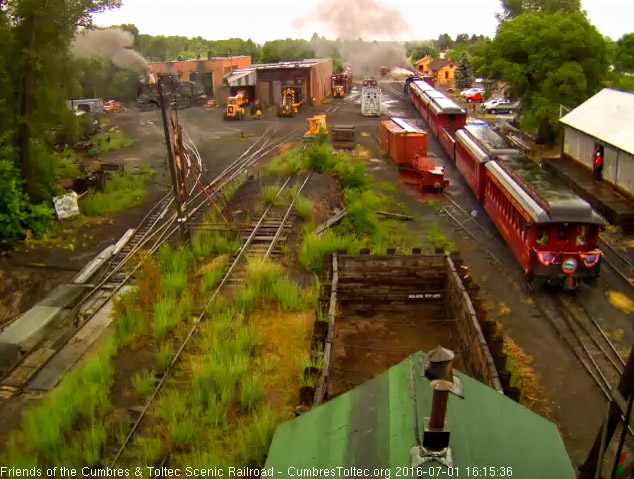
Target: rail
x=239 y=255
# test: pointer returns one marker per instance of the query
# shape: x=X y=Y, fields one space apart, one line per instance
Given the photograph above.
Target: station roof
x=560 y=203
x=375 y=425
x=607 y=116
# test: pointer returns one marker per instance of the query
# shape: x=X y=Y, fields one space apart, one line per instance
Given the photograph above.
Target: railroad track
x=336 y=105
x=259 y=243
x=619 y=263
x=153 y=231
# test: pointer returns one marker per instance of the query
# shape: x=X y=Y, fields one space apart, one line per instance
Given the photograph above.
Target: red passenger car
x=552 y=232
x=476 y=144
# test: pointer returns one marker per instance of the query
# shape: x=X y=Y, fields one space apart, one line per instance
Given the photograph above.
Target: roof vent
x=440 y=364
x=435 y=447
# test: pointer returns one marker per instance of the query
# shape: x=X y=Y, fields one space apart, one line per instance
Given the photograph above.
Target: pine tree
x=464 y=75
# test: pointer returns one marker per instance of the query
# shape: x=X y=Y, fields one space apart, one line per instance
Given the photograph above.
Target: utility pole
x=176 y=170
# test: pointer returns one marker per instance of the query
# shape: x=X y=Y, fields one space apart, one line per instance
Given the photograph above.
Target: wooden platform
x=604 y=198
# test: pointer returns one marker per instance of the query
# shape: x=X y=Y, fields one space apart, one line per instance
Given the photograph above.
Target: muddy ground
x=573 y=398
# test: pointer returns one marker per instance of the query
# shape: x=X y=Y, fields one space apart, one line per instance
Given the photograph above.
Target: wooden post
x=320 y=391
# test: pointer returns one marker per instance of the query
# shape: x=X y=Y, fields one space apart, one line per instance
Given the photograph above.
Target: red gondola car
x=552 y=232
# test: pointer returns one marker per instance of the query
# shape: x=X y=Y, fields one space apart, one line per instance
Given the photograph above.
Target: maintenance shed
x=208 y=72
x=381 y=425
x=311 y=75
x=605 y=121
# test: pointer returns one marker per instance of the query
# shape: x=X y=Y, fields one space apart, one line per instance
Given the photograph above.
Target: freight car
x=552 y=232
x=406 y=144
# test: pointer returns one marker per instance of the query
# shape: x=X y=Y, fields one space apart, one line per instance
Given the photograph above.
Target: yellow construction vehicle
x=235 y=106
x=316 y=124
x=291 y=99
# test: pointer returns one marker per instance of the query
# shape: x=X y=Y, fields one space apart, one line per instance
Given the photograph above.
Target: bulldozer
x=291 y=99
x=316 y=125
x=235 y=106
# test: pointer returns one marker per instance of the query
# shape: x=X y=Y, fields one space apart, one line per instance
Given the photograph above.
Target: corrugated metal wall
x=618 y=166
x=579 y=146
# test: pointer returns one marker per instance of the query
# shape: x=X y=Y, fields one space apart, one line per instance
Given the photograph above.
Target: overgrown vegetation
x=121 y=191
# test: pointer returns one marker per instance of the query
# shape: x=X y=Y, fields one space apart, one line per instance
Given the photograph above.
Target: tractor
x=235 y=106
x=291 y=99
x=316 y=125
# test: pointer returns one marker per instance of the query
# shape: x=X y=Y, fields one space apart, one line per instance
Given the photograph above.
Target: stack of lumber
x=343 y=137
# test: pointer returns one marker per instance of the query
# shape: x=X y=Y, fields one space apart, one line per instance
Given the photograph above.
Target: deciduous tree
x=547 y=59
x=514 y=8
x=624 y=53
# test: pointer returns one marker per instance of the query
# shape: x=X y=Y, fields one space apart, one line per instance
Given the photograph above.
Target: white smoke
x=111 y=44
x=357 y=19
x=400 y=74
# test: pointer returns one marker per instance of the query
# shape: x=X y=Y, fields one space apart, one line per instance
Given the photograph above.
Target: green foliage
x=250 y=392
x=624 y=53
x=110 y=140
x=416 y=51
x=287 y=49
x=143 y=382
x=315 y=247
x=271 y=196
x=82 y=396
x=121 y=191
x=255 y=438
x=621 y=81
x=464 y=75
x=304 y=208
x=165 y=316
x=515 y=8
x=548 y=59
x=212 y=276
x=207 y=244
x=289 y=163
x=17 y=215
x=164 y=355
x=182 y=425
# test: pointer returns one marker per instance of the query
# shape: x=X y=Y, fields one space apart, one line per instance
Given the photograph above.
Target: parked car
x=493 y=101
x=504 y=106
x=471 y=91
x=472 y=96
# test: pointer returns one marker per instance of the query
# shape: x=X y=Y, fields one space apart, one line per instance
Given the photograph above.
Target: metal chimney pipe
x=439 y=403
x=440 y=364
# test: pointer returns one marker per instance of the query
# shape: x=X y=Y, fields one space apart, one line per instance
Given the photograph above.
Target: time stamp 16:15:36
x=467 y=471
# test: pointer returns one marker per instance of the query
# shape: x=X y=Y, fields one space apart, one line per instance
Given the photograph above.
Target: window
x=446 y=75
x=562 y=232
x=582 y=234
x=542 y=235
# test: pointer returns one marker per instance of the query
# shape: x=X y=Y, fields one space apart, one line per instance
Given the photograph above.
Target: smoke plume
x=111 y=44
x=367 y=58
x=400 y=74
x=357 y=19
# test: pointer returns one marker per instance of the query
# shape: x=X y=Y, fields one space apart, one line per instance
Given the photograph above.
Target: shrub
x=315 y=247
x=289 y=163
x=17 y=215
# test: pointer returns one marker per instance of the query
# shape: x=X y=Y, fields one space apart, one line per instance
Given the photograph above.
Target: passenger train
x=552 y=232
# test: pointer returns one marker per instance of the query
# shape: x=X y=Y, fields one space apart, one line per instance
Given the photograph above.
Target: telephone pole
x=177 y=167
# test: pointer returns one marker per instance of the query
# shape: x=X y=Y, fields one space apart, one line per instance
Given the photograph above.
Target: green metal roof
x=373 y=426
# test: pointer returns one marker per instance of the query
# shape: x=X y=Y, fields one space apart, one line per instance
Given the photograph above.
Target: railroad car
x=475 y=145
x=406 y=144
x=552 y=232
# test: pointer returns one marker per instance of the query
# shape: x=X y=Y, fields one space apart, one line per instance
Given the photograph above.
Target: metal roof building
x=381 y=425
x=605 y=120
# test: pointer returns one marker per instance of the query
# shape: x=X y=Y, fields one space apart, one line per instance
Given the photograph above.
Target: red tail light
x=590 y=259
x=546 y=258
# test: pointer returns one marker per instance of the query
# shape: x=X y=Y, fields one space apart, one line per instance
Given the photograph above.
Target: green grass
x=174 y=284
x=209 y=243
x=255 y=438
x=289 y=163
x=304 y=208
x=250 y=392
x=174 y=260
x=82 y=396
x=117 y=141
x=164 y=355
x=315 y=247
x=182 y=425
x=246 y=340
x=130 y=322
x=165 y=316
x=143 y=382
x=121 y=191
x=270 y=195
x=147 y=450
x=212 y=277
x=92 y=444
x=438 y=238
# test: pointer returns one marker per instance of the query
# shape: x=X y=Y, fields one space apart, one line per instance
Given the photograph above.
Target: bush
x=17 y=215
x=304 y=207
x=315 y=247
x=289 y=163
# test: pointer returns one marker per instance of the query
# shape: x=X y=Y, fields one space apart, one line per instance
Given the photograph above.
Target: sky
x=263 y=20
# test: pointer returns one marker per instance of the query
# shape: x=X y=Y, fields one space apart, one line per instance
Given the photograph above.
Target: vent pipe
x=436 y=435
x=440 y=364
